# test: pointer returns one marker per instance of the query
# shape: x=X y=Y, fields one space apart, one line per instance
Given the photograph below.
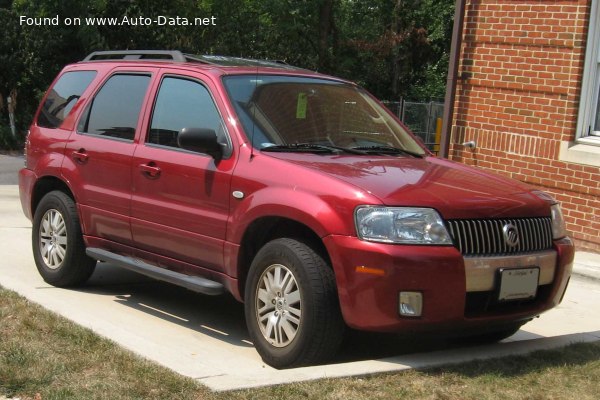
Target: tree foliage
x=394 y=48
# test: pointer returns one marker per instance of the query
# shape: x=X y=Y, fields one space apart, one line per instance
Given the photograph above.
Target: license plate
x=518 y=283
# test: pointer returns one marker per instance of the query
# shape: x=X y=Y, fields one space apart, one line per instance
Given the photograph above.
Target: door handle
x=150 y=170
x=80 y=156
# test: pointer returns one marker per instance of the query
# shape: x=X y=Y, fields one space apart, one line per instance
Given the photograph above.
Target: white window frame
x=590 y=87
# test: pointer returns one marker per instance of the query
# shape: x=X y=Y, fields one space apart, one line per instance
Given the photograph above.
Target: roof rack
x=225 y=61
x=174 y=55
x=178 y=56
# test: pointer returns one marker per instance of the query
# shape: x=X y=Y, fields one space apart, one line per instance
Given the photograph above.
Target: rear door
x=180 y=201
x=98 y=156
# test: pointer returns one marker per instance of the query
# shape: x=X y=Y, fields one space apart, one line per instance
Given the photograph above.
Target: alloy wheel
x=278 y=305
x=53 y=239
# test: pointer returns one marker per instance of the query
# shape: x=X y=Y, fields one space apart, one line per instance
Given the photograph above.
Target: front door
x=181 y=199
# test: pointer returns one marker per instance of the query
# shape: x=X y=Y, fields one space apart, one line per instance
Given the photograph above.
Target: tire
x=57 y=242
x=291 y=305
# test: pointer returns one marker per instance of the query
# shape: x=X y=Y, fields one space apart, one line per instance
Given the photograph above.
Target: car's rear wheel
x=57 y=242
x=292 y=311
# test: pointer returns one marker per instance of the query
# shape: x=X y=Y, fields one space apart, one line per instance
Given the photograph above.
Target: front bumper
x=370 y=277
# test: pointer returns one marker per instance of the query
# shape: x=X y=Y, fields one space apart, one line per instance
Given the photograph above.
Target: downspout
x=449 y=100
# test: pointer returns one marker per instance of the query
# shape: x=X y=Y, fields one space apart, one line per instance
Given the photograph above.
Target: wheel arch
x=268 y=228
x=45 y=185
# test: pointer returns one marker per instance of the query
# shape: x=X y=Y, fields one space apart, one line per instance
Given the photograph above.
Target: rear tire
x=57 y=242
x=292 y=309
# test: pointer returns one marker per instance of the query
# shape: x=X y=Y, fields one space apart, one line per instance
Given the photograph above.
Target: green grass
x=44 y=356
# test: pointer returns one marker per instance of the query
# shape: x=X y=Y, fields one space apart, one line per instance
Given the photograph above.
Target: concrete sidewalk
x=587 y=265
x=9 y=167
x=205 y=338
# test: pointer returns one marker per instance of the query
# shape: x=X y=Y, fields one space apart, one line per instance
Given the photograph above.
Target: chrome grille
x=485 y=236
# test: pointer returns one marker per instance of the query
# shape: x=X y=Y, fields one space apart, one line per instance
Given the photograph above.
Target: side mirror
x=200 y=140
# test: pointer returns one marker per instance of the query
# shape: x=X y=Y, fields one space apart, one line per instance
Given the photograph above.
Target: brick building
x=527 y=92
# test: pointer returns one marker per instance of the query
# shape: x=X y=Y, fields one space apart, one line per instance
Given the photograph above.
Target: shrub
x=8 y=141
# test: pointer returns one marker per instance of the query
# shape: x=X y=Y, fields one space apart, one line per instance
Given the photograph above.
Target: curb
x=587 y=265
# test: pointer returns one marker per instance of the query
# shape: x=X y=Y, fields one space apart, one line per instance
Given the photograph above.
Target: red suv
x=298 y=193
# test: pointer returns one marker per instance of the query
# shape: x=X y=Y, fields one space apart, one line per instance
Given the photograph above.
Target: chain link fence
x=424 y=119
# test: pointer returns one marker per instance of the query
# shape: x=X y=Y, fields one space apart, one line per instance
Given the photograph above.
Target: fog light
x=411 y=304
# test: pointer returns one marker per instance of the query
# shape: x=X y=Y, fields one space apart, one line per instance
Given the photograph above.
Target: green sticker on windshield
x=301 y=106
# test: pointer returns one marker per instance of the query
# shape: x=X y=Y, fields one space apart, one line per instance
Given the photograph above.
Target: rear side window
x=115 y=109
x=63 y=96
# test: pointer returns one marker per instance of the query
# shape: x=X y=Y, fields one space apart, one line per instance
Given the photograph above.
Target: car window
x=183 y=103
x=115 y=109
x=63 y=96
x=284 y=110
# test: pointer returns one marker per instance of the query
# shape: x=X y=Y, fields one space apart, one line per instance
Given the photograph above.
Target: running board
x=193 y=283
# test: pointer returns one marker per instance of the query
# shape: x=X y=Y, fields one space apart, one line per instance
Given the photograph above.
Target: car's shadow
x=222 y=317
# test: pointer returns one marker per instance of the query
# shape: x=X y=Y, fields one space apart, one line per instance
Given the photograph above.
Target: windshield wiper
x=311 y=147
x=386 y=150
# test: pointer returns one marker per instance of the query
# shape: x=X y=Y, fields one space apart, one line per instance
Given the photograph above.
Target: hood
x=455 y=190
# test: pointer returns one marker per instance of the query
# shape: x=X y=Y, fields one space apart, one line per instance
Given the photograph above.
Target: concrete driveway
x=205 y=337
x=9 y=167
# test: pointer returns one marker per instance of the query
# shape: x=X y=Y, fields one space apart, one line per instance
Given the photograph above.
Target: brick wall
x=517 y=96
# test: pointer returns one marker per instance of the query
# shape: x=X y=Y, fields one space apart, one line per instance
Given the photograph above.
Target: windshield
x=279 y=111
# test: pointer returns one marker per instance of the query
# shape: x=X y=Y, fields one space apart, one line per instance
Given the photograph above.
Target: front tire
x=292 y=309
x=57 y=242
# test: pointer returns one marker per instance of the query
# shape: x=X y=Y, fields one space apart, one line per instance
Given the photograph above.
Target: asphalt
x=205 y=338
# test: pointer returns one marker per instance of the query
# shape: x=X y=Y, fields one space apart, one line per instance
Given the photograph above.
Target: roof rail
x=174 y=55
x=178 y=56
x=239 y=61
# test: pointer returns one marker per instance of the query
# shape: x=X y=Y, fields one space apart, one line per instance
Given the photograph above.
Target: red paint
x=175 y=208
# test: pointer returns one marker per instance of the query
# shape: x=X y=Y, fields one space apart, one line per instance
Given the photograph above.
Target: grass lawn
x=44 y=356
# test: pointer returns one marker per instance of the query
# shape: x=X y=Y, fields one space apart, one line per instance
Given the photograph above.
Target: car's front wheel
x=292 y=310
x=57 y=242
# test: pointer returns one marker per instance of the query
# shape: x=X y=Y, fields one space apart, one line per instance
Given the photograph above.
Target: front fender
x=321 y=216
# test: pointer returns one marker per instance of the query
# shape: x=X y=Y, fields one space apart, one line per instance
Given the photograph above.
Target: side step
x=193 y=283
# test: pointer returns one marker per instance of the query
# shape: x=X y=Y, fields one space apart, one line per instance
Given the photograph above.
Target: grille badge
x=511 y=235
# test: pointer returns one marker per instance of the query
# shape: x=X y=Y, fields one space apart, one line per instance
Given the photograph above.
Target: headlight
x=559 y=229
x=407 y=225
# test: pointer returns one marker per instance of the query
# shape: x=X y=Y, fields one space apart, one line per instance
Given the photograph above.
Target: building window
x=596 y=131
x=588 y=124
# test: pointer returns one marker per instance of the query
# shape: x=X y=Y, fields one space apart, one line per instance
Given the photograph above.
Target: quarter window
x=182 y=103
x=63 y=96
x=115 y=110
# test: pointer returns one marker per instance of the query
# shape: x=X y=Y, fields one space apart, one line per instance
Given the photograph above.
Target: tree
x=395 y=48
x=400 y=46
